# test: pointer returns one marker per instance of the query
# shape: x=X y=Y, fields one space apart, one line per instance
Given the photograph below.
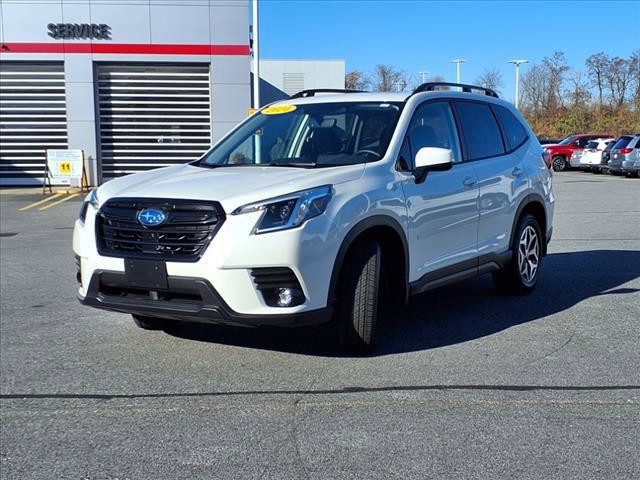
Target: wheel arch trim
x=356 y=231
x=531 y=199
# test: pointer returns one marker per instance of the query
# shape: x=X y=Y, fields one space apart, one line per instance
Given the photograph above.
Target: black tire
x=558 y=163
x=148 y=323
x=357 y=309
x=519 y=277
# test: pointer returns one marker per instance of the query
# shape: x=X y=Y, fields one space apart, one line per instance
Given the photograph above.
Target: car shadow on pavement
x=455 y=313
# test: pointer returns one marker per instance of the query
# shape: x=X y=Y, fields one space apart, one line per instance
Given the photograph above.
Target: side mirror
x=432 y=159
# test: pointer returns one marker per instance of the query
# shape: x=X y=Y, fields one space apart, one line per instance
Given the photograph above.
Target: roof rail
x=430 y=86
x=312 y=92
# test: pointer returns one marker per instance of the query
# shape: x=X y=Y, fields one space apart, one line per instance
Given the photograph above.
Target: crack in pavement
x=344 y=390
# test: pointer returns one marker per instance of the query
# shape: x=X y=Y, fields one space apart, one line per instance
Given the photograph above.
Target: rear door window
x=514 y=132
x=480 y=131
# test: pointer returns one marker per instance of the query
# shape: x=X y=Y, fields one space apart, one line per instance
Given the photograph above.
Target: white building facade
x=135 y=84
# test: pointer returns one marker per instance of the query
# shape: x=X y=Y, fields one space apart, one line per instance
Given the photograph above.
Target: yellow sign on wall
x=65 y=165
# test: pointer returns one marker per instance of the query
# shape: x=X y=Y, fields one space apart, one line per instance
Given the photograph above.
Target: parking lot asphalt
x=466 y=383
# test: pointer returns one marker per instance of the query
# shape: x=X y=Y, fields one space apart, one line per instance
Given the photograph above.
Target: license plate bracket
x=151 y=274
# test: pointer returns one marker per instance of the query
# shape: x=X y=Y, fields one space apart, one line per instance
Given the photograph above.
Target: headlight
x=288 y=211
x=92 y=199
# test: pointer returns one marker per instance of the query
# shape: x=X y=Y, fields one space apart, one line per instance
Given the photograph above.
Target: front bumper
x=227 y=266
x=186 y=299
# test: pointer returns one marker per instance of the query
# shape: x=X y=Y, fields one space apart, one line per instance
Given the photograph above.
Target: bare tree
x=634 y=70
x=387 y=78
x=578 y=93
x=357 y=80
x=543 y=84
x=556 y=68
x=618 y=80
x=597 y=65
x=491 y=78
x=535 y=88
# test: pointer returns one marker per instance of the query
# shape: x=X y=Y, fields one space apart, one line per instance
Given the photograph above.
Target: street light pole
x=256 y=57
x=458 y=61
x=423 y=76
x=517 y=63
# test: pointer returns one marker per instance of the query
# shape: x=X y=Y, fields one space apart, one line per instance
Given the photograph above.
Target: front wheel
x=521 y=275
x=357 y=309
x=559 y=163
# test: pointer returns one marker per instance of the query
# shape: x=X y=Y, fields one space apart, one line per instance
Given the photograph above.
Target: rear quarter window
x=514 y=132
x=480 y=130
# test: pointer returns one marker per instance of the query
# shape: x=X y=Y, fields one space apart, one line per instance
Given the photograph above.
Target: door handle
x=517 y=171
x=469 y=182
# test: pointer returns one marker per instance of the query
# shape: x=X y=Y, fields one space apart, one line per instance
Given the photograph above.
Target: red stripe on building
x=125 y=48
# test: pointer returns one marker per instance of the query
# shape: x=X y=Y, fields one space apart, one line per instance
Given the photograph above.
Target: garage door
x=152 y=116
x=32 y=119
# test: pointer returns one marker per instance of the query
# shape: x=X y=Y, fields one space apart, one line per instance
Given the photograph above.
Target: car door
x=443 y=209
x=498 y=162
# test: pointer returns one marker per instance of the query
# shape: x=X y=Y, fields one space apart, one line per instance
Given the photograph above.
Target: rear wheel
x=357 y=310
x=559 y=163
x=521 y=275
x=148 y=323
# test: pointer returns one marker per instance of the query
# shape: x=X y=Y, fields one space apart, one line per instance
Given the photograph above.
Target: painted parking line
x=49 y=205
x=39 y=202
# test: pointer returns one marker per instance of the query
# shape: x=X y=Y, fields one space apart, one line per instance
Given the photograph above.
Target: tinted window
x=568 y=140
x=513 y=130
x=432 y=125
x=622 y=143
x=583 y=142
x=591 y=145
x=480 y=130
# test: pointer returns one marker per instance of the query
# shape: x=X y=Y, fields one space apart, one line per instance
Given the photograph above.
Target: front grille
x=184 y=236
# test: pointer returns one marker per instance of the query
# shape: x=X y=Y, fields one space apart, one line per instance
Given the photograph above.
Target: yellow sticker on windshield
x=278 y=109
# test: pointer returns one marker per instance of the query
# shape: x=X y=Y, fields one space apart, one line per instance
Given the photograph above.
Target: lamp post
x=423 y=76
x=517 y=63
x=458 y=61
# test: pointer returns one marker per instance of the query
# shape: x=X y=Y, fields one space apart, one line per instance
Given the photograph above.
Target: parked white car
x=324 y=207
x=591 y=156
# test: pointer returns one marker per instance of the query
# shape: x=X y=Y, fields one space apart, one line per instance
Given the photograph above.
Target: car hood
x=231 y=186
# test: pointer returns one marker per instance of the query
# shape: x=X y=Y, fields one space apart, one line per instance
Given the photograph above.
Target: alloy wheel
x=559 y=164
x=529 y=255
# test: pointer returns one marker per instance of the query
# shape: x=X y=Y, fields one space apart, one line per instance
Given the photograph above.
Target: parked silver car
x=625 y=156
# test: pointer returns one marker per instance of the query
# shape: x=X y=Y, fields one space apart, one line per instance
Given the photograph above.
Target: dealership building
x=135 y=84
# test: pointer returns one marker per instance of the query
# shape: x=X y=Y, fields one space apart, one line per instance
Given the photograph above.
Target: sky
x=426 y=35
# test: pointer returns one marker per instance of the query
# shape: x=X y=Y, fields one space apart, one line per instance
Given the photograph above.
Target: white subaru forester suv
x=324 y=208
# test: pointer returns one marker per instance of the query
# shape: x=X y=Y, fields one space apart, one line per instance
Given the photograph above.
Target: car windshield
x=311 y=135
x=568 y=140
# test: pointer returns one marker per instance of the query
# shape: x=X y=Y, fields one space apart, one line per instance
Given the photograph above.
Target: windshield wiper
x=290 y=164
x=206 y=165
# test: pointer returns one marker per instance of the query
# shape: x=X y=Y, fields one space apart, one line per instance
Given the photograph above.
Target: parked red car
x=559 y=154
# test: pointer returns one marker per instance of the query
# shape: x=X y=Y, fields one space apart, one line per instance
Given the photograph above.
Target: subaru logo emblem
x=151 y=217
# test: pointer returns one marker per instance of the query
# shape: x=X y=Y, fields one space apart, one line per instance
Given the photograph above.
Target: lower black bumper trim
x=186 y=299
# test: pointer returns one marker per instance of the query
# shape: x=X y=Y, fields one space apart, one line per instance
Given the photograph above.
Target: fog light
x=285 y=297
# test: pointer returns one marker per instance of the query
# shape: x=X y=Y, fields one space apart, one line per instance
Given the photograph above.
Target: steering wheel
x=368 y=151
